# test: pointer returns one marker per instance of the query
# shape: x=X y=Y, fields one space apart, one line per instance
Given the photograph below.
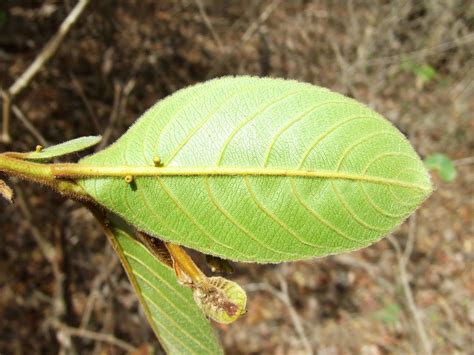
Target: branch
x=208 y=24
x=46 y=53
x=29 y=126
x=249 y=33
x=284 y=297
x=87 y=334
x=427 y=348
x=49 y=50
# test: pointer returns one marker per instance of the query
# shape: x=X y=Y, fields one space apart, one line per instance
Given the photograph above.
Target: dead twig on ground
x=284 y=297
x=464 y=161
x=249 y=33
x=411 y=238
x=56 y=257
x=419 y=53
x=5 y=136
x=209 y=26
x=402 y=264
x=45 y=246
x=29 y=126
x=80 y=91
x=100 y=337
x=121 y=93
x=114 y=114
x=46 y=53
x=111 y=263
x=372 y=271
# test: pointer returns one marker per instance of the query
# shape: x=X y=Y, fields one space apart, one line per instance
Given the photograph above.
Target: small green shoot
x=443 y=165
x=423 y=72
x=390 y=314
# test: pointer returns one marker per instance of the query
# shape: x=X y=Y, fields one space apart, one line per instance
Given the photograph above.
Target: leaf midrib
x=92 y=171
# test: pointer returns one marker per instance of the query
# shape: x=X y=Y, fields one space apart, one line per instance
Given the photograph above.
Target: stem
x=39 y=173
x=49 y=50
x=185 y=263
x=26 y=169
x=5 y=136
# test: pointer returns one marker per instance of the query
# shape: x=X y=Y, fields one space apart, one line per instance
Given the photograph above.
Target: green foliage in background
x=389 y=314
x=443 y=165
x=424 y=72
x=3 y=18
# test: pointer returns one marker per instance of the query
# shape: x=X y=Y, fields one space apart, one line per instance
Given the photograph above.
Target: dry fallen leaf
x=6 y=191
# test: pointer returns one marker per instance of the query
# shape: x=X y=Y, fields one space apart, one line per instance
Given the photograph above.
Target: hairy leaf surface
x=170 y=308
x=261 y=170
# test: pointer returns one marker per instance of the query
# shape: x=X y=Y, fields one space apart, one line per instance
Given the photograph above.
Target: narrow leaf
x=170 y=308
x=72 y=146
x=260 y=170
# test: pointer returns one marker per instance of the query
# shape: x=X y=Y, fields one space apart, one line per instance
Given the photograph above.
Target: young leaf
x=443 y=165
x=222 y=300
x=170 y=308
x=72 y=146
x=260 y=170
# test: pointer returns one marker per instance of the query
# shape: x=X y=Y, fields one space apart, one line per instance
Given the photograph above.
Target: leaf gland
x=128 y=179
x=38 y=148
x=157 y=161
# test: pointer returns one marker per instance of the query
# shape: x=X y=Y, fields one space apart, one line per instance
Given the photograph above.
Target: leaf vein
x=206 y=120
x=403 y=203
x=170 y=302
x=367 y=195
x=191 y=217
x=352 y=213
x=298 y=197
x=364 y=139
x=190 y=101
x=251 y=117
x=290 y=124
x=154 y=273
x=165 y=327
x=274 y=217
x=236 y=223
x=323 y=136
x=338 y=166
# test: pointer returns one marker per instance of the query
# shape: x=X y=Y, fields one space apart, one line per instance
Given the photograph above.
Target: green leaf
x=425 y=72
x=443 y=165
x=72 y=146
x=222 y=300
x=260 y=170
x=170 y=308
x=390 y=314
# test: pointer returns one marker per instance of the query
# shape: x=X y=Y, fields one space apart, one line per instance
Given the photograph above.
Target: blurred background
x=62 y=288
